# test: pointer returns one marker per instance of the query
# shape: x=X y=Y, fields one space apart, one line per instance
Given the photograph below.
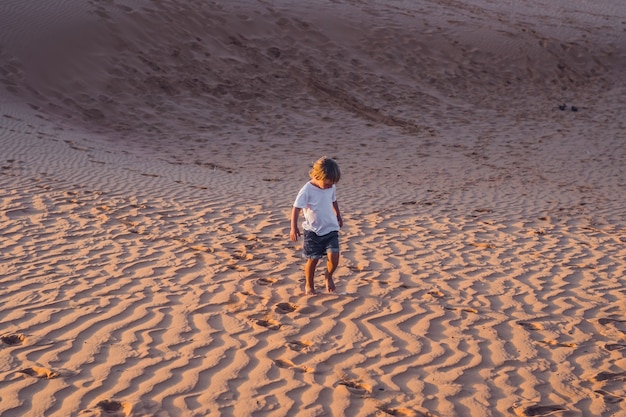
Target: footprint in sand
x=611 y=376
x=13 y=339
x=530 y=325
x=615 y=346
x=284 y=308
x=269 y=323
x=465 y=309
x=287 y=364
x=355 y=386
x=436 y=294
x=266 y=281
x=111 y=407
x=41 y=373
x=401 y=412
x=604 y=322
x=555 y=343
x=542 y=410
x=610 y=398
x=202 y=248
x=299 y=346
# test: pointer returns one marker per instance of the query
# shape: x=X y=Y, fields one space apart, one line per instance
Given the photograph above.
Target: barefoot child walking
x=322 y=221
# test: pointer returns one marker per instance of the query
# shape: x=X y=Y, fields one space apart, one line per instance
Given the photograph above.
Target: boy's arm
x=338 y=213
x=295 y=232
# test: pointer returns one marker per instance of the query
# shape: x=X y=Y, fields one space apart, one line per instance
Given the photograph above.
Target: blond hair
x=325 y=169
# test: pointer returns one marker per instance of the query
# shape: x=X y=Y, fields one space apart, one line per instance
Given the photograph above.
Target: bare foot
x=310 y=291
x=330 y=284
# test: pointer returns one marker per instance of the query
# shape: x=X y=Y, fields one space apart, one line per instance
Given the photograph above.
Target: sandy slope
x=151 y=151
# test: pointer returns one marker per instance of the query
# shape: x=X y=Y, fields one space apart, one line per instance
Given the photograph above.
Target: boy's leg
x=331 y=266
x=309 y=275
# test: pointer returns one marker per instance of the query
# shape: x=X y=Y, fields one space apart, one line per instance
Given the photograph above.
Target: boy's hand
x=295 y=232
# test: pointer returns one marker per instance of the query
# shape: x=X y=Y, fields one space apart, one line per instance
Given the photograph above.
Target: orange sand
x=150 y=154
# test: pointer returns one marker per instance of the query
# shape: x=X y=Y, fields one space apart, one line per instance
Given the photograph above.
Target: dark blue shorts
x=316 y=247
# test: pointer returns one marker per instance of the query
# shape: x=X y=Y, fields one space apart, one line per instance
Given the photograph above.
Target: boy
x=322 y=221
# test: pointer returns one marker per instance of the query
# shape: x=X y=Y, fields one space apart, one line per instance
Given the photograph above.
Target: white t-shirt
x=317 y=207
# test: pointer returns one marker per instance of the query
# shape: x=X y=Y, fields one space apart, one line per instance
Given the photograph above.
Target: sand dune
x=151 y=151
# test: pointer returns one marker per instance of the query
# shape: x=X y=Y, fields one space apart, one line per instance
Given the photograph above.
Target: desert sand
x=150 y=152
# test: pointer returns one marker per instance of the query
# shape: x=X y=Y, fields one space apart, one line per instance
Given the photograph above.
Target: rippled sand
x=150 y=154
